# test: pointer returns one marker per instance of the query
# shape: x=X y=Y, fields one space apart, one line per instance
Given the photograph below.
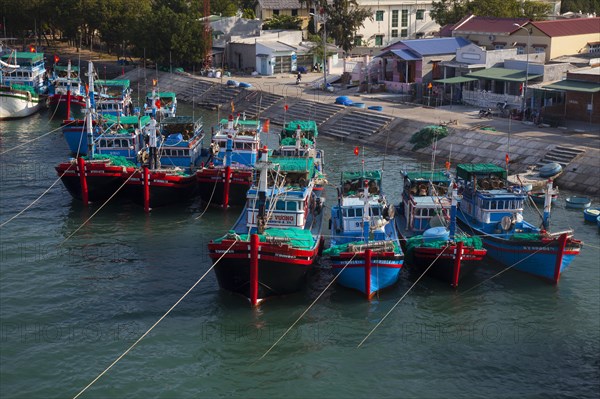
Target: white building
x=395 y=20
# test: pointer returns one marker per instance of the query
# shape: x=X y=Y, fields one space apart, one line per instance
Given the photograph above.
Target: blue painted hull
x=384 y=273
x=533 y=257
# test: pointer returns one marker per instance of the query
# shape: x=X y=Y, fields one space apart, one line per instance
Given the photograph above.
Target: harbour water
x=74 y=296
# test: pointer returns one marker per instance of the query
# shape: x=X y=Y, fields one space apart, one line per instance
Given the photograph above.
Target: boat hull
x=58 y=105
x=282 y=269
x=16 y=105
x=351 y=271
x=211 y=186
x=103 y=179
x=446 y=267
x=539 y=258
x=164 y=189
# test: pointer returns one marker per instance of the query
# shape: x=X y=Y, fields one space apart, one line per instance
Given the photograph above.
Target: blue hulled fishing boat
x=493 y=210
x=364 y=252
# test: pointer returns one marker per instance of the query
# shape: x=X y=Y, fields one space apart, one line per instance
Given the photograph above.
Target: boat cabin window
x=291 y=205
x=280 y=206
x=375 y=211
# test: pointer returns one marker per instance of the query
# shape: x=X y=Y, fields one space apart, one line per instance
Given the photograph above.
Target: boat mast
x=366 y=217
x=298 y=140
x=263 y=167
x=452 y=227
x=547 y=205
x=88 y=113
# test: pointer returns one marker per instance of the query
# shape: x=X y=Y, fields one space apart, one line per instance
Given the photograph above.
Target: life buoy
x=143 y=156
x=422 y=189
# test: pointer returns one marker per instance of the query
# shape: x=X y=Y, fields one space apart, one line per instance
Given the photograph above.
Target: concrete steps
x=307 y=110
x=222 y=96
x=259 y=102
x=357 y=125
x=560 y=154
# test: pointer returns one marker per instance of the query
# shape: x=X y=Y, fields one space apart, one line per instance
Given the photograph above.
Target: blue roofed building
x=408 y=64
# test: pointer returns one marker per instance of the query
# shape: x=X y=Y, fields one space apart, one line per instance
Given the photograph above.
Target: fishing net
x=526 y=236
x=360 y=246
x=417 y=241
x=292 y=141
x=116 y=160
x=294 y=237
x=425 y=137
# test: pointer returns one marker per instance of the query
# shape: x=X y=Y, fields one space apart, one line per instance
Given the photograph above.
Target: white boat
x=21 y=84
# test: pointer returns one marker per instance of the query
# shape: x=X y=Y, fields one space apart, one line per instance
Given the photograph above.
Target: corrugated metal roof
x=510 y=75
x=437 y=46
x=279 y=4
x=486 y=25
x=574 y=85
x=406 y=55
x=569 y=27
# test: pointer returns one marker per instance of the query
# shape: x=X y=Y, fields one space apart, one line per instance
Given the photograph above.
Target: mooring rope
x=37 y=199
x=34 y=139
x=155 y=324
x=504 y=270
x=401 y=298
x=209 y=201
x=306 y=311
x=98 y=210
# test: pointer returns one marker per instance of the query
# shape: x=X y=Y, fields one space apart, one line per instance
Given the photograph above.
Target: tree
x=283 y=22
x=584 y=6
x=344 y=18
x=224 y=8
x=451 y=11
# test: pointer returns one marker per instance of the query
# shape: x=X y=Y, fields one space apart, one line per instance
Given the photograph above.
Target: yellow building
x=266 y=9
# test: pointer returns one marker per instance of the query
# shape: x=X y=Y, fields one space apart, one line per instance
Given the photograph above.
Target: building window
x=357 y=41
x=275 y=12
x=404 y=32
x=520 y=50
x=498 y=46
x=404 y=18
x=394 y=32
x=379 y=16
x=539 y=50
x=420 y=14
x=379 y=40
x=394 y=18
x=295 y=12
x=594 y=48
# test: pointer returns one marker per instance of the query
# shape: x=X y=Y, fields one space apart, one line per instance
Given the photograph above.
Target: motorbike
x=485 y=113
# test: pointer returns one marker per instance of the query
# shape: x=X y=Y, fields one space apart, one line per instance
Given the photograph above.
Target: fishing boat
x=591 y=214
x=113 y=97
x=493 y=210
x=22 y=87
x=161 y=104
x=364 y=251
x=66 y=94
x=426 y=222
x=94 y=177
x=540 y=196
x=298 y=139
x=227 y=175
x=169 y=177
x=112 y=135
x=277 y=238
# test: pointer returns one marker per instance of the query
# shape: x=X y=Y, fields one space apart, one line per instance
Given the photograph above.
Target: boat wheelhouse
x=228 y=173
x=22 y=86
x=277 y=238
x=493 y=209
x=161 y=104
x=66 y=94
x=113 y=97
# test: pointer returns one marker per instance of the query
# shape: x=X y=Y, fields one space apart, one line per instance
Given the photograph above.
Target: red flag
x=507 y=159
x=157 y=103
x=285 y=107
x=32 y=49
x=447 y=165
x=266 y=126
x=521 y=88
x=56 y=59
x=356 y=150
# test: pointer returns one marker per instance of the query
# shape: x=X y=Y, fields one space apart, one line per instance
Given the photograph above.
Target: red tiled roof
x=569 y=27
x=490 y=25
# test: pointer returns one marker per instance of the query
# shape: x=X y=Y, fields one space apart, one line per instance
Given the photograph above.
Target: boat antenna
x=547 y=204
x=507 y=158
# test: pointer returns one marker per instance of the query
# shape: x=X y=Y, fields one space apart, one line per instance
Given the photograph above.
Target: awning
x=455 y=79
x=510 y=75
x=574 y=85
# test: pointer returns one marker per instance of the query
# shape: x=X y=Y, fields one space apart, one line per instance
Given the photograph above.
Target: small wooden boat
x=550 y=169
x=375 y=108
x=591 y=214
x=359 y=105
x=245 y=85
x=539 y=196
x=576 y=202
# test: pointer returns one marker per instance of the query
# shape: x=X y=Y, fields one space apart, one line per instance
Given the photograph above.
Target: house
x=223 y=28
x=271 y=52
x=394 y=20
x=407 y=62
x=553 y=38
x=266 y=9
x=577 y=97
